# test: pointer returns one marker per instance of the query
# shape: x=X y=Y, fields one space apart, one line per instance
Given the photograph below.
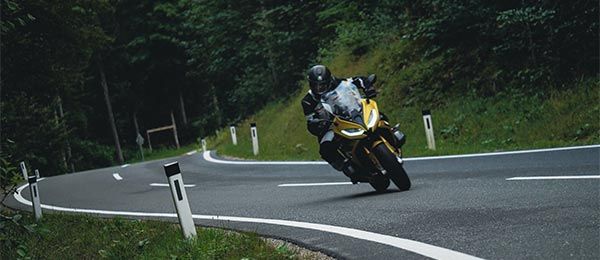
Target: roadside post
x=23 y=170
x=182 y=205
x=203 y=144
x=233 y=135
x=254 y=138
x=37 y=174
x=428 y=129
x=35 y=197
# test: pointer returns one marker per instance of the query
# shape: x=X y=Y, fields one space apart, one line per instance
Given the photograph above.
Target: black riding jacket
x=315 y=113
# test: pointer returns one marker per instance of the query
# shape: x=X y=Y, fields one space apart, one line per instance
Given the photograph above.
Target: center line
x=167 y=185
x=314 y=184
x=117 y=176
x=573 y=177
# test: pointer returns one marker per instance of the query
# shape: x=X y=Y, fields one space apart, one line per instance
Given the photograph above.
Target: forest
x=77 y=76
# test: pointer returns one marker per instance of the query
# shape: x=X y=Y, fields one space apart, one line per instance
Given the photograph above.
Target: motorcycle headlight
x=372 y=119
x=353 y=132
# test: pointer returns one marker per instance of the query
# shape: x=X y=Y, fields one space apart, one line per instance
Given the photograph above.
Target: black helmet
x=319 y=79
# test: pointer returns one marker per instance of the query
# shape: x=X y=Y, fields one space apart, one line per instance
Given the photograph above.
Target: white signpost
x=233 y=135
x=203 y=144
x=23 y=170
x=429 y=129
x=254 y=138
x=35 y=197
x=182 y=205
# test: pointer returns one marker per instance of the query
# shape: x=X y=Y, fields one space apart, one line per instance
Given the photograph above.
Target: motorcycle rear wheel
x=394 y=169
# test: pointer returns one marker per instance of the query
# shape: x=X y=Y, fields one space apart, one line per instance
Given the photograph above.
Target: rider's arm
x=314 y=123
x=362 y=83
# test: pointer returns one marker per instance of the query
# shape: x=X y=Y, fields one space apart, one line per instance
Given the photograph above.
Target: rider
x=318 y=119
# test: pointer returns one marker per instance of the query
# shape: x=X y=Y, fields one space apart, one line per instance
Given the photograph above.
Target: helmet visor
x=320 y=88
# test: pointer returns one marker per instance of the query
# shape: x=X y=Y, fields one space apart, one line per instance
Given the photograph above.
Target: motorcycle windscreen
x=344 y=101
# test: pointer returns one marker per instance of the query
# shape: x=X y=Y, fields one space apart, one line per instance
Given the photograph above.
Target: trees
x=43 y=58
x=216 y=62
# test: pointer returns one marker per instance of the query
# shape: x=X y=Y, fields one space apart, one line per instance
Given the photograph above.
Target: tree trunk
x=174 y=130
x=182 y=106
x=216 y=106
x=135 y=124
x=111 y=118
x=61 y=113
x=137 y=133
x=63 y=157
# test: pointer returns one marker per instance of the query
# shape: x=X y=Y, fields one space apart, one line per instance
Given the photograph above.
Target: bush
x=88 y=154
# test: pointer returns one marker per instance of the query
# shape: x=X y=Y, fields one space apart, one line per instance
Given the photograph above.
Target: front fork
x=376 y=138
x=394 y=145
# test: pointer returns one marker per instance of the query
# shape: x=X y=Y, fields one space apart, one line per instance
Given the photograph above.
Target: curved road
x=541 y=204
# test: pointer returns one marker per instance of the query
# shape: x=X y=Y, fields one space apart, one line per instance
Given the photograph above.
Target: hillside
x=463 y=123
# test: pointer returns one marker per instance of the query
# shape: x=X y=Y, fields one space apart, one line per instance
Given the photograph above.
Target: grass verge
x=466 y=124
x=60 y=236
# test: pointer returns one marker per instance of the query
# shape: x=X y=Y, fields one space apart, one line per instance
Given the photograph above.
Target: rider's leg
x=329 y=151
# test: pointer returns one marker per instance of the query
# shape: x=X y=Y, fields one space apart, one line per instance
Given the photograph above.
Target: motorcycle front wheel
x=394 y=169
x=380 y=183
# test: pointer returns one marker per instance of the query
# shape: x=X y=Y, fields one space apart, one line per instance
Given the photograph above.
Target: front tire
x=394 y=169
x=380 y=183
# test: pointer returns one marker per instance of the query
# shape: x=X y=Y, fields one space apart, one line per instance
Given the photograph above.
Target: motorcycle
x=366 y=137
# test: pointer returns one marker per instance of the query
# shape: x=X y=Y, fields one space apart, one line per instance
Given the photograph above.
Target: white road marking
x=421 y=248
x=313 y=184
x=117 y=176
x=167 y=185
x=574 y=177
x=124 y=165
x=41 y=179
x=209 y=158
x=191 y=152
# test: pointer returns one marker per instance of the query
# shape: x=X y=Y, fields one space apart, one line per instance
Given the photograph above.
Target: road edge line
x=208 y=157
x=421 y=248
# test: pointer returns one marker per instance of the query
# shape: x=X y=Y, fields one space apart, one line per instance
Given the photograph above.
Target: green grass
x=466 y=124
x=463 y=123
x=60 y=236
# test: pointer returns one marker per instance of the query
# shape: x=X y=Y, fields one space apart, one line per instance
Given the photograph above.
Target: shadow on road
x=349 y=197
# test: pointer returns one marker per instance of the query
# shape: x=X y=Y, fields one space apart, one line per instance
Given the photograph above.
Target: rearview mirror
x=371 y=79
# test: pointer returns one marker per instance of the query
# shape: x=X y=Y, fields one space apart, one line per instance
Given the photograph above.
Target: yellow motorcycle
x=366 y=138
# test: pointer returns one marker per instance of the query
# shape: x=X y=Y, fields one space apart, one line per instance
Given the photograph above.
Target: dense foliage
x=215 y=62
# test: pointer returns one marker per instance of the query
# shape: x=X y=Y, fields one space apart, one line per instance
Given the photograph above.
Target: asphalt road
x=464 y=204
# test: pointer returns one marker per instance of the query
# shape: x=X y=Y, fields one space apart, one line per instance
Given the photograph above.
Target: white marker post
x=182 y=205
x=233 y=135
x=35 y=197
x=203 y=144
x=429 y=129
x=23 y=170
x=254 y=138
x=37 y=174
